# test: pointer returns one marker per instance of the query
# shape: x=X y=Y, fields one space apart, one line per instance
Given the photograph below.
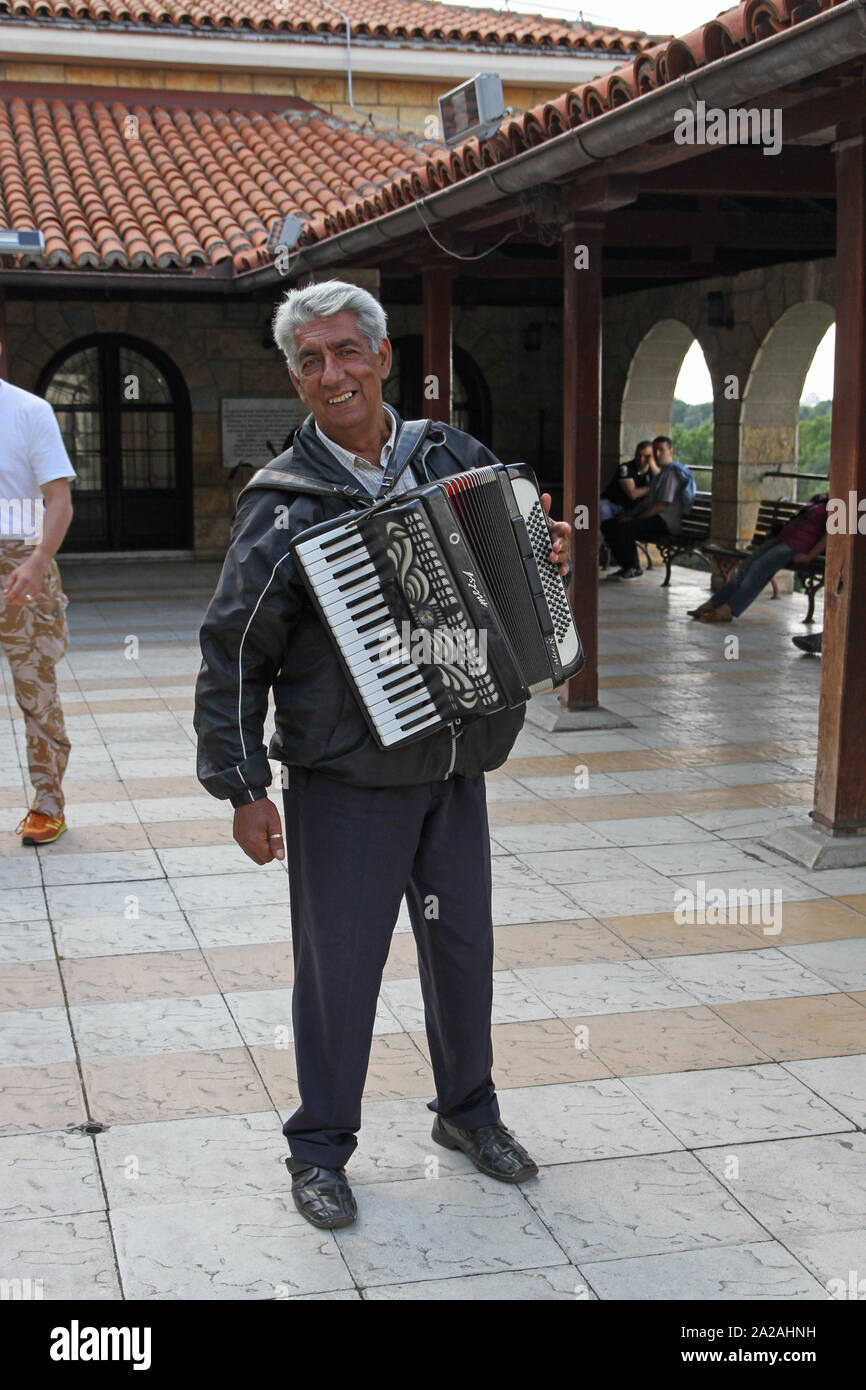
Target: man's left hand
x=559 y=532
x=25 y=581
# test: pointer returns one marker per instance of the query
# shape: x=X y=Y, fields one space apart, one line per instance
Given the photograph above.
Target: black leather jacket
x=261 y=633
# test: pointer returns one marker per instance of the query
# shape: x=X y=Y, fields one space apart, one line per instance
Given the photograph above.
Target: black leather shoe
x=492 y=1148
x=809 y=642
x=323 y=1196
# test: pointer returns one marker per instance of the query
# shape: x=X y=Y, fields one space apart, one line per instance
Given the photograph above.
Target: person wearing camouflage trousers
x=33 y=631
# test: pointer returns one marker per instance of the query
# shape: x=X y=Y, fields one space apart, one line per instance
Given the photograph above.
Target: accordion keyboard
x=348 y=589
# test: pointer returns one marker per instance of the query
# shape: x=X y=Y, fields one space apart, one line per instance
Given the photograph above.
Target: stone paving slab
x=693 y=1091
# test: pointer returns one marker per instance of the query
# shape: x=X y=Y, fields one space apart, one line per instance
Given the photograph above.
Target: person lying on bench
x=796 y=543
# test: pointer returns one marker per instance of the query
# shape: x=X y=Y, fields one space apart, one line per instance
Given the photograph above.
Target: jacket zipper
x=454 y=738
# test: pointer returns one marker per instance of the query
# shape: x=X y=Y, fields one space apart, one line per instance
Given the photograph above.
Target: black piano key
x=407 y=724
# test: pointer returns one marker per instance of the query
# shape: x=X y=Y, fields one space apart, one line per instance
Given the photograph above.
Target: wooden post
x=581 y=438
x=840 y=783
x=436 y=393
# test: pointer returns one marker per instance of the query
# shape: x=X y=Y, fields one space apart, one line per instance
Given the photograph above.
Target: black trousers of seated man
x=623 y=533
x=352 y=854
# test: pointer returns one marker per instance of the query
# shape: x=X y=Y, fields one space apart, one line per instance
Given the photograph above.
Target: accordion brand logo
x=473 y=584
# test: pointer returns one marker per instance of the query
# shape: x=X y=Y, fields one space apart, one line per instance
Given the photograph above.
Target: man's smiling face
x=340 y=376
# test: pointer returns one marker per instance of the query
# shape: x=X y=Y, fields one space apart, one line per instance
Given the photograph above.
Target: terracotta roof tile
x=426 y=20
x=654 y=66
x=169 y=187
x=187 y=186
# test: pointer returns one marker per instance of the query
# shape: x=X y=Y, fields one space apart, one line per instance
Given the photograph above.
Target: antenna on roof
x=345 y=19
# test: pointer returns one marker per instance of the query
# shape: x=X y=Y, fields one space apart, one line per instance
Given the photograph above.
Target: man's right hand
x=258 y=830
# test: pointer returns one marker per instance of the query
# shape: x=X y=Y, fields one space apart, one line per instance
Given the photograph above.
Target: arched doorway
x=770 y=414
x=648 y=397
x=123 y=410
x=470 y=404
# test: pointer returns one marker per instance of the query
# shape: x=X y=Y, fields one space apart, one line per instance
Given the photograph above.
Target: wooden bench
x=725 y=558
x=693 y=533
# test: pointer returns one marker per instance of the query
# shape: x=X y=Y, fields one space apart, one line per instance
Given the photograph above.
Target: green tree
x=814 y=450
x=811 y=412
x=694 y=446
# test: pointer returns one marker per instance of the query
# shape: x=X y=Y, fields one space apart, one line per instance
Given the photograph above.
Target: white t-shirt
x=32 y=452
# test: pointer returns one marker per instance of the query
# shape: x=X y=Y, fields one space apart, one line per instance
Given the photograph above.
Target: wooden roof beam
x=770 y=231
x=797 y=172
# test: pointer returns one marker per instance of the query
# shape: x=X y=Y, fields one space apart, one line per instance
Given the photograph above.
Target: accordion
x=442 y=602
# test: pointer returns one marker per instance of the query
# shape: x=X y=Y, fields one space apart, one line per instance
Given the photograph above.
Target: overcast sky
x=694 y=379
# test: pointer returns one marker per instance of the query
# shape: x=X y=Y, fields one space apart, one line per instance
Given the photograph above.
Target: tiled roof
x=181 y=187
x=422 y=20
x=196 y=186
x=664 y=62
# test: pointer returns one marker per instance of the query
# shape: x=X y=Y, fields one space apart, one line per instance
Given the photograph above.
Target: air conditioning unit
x=476 y=107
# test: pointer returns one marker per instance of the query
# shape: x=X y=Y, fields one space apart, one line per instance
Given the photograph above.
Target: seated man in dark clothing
x=658 y=513
x=630 y=482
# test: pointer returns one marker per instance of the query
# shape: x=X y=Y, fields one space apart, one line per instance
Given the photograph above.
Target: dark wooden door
x=123 y=411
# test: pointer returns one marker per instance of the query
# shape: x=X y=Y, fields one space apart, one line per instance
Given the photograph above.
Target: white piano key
x=317 y=560
x=351 y=633
x=334 y=583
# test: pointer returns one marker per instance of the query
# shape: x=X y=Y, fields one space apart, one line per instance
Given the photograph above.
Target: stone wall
x=525 y=386
x=409 y=102
x=216 y=347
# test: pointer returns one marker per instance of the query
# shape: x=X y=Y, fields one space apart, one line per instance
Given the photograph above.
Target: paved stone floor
x=694 y=1094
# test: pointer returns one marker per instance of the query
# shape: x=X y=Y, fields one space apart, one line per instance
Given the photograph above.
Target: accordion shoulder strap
x=285 y=478
x=410 y=437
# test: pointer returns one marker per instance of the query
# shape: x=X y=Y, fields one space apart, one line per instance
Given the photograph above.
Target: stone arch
x=769 y=416
x=648 y=395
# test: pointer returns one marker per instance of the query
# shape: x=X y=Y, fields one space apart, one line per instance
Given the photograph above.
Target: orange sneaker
x=37 y=828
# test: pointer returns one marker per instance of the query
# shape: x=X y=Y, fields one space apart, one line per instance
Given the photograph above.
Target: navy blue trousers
x=352 y=853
